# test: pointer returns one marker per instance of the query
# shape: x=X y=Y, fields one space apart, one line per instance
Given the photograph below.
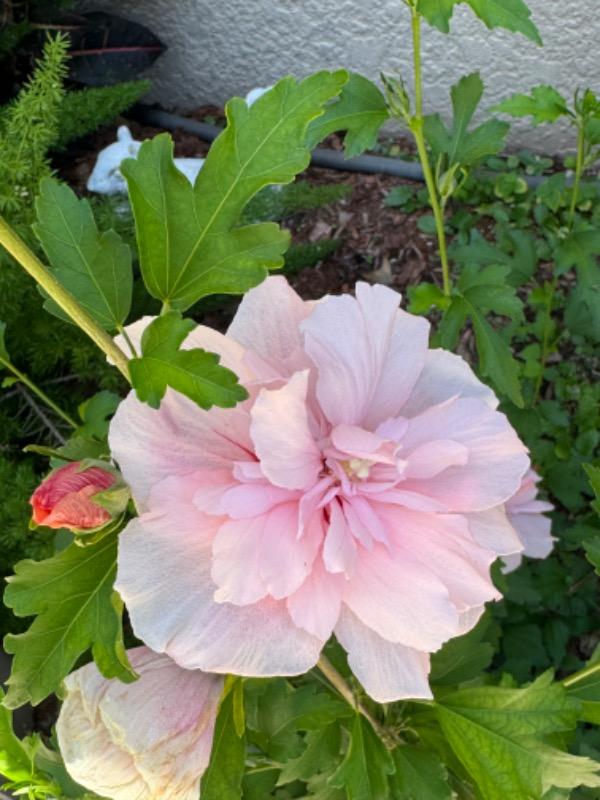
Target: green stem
x=338 y=682
x=577 y=677
x=578 y=172
x=545 y=341
x=13 y=243
x=39 y=392
x=416 y=126
x=123 y=331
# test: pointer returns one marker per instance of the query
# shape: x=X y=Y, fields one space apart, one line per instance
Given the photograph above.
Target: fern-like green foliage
x=28 y=128
x=86 y=110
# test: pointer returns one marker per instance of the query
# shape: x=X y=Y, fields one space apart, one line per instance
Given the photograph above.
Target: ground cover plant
x=311 y=520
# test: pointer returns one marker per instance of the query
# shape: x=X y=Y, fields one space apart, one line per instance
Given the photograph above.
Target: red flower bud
x=65 y=498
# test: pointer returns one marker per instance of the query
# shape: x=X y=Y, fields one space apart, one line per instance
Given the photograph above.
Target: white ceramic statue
x=106 y=176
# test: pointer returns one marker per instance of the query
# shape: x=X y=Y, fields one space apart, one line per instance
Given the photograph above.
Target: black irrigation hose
x=321 y=157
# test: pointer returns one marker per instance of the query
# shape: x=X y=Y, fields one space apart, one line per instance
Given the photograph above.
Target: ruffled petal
x=497 y=459
x=387 y=671
x=174 y=612
x=315 y=606
x=281 y=434
x=368 y=355
x=444 y=376
x=493 y=529
x=401 y=599
x=267 y=325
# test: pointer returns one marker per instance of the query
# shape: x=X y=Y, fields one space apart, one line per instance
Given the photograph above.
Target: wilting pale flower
x=526 y=515
x=359 y=491
x=148 y=740
x=65 y=499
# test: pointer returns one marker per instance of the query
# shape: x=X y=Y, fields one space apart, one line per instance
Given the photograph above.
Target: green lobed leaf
x=76 y=608
x=438 y=13
x=459 y=145
x=223 y=777
x=360 y=111
x=522 y=261
x=16 y=759
x=366 y=767
x=496 y=358
x=587 y=689
x=463 y=658
x=322 y=750
x=419 y=775
x=94 y=267
x=188 y=237
x=499 y=736
x=544 y=104
x=195 y=373
x=513 y=15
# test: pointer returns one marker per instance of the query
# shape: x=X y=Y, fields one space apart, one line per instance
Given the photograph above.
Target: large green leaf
x=419 y=775
x=360 y=110
x=544 y=104
x=513 y=15
x=189 y=240
x=499 y=735
x=521 y=260
x=223 y=777
x=94 y=267
x=322 y=750
x=76 y=608
x=459 y=145
x=366 y=767
x=195 y=373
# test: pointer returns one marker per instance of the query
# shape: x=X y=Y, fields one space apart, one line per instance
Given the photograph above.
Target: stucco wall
x=218 y=48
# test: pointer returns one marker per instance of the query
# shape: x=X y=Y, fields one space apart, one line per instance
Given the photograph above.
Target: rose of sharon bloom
x=65 y=499
x=148 y=740
x=358 y=491
x=526 y=514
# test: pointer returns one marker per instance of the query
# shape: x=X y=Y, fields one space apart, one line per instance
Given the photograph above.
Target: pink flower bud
x=148 y=740
x=65 y=499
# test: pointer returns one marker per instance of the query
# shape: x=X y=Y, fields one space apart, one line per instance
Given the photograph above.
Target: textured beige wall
x=219 y=48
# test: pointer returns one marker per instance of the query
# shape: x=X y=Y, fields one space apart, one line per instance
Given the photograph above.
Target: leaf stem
x=579 y=165
x=416 y=126
x=338 y=682
x=39 y=392
x=13 y=243
x=577 y=677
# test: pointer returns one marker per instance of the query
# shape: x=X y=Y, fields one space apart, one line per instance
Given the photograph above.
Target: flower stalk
x=416 y=127
x=13 y=243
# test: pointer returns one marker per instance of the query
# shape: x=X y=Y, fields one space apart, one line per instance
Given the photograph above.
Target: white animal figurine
x=106 y=177
x=254 y=94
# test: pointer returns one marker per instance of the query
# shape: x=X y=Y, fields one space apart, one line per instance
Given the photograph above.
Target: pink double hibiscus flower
x=359 y=491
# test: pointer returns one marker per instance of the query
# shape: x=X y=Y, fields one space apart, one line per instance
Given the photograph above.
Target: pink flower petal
x=368 y=354
x=267 y=324
x=431 y=458
x=387 y=671
x=149 y=739
x=401 y=599
x=492 y=529
x=339 y=550
x=315 y=606
x=444 y=376
x=282 y=438
x=174 y=612
x=497 y=458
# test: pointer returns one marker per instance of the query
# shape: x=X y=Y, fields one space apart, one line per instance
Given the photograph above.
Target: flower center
x=357 y=468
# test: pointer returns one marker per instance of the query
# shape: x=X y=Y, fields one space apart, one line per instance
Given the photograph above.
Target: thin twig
x=41 y=414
